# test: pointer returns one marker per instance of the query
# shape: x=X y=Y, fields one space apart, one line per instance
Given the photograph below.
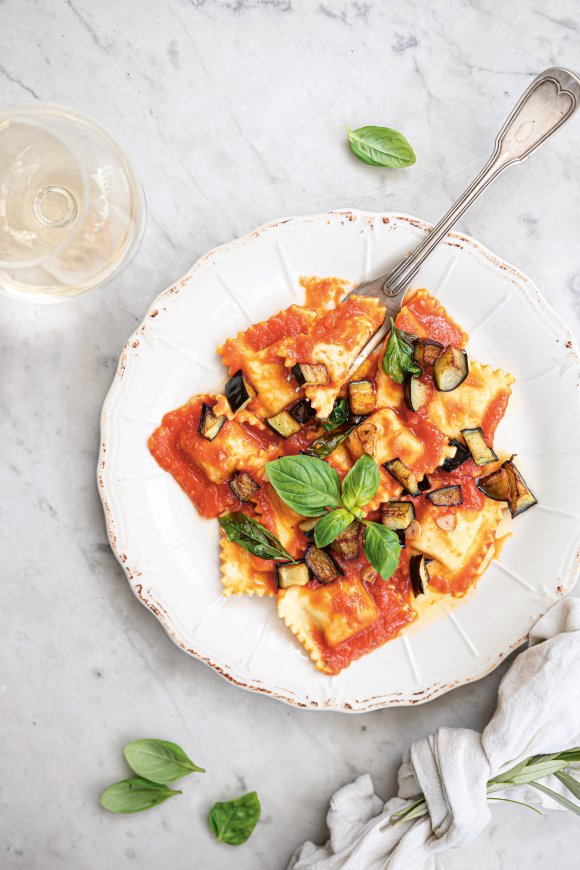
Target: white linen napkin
x=538 y=712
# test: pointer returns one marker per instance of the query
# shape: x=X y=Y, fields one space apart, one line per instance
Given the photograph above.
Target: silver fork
x=550 y=100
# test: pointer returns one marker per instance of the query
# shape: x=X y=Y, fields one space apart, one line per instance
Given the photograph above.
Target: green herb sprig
x=312 y=488
x=398 y=357
x=381 y=146
x=253 y=536
x=529 y=771
x=339 y=415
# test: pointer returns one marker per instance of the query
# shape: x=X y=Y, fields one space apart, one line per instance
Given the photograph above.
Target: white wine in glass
x=72 y=210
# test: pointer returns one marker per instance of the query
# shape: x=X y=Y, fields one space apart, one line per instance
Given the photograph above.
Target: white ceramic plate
x=170 y=555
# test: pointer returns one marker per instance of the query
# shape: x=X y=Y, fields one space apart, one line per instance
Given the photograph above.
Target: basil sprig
x=253 y=536
x=232 y=822
x=289 y=476
x=339 y=415
x=159 y=760
x=381 y=146
x=398 y=359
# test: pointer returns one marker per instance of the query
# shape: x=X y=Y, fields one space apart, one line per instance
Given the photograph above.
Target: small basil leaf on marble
x=382 y=548
x=329 y=527
x=337 y=416
x=159 y=760
x=252 y=536
x=134 y=795
x=398 y=358
x=381 y=146
x=305 y=483
x=232 y=822
x=361 y=483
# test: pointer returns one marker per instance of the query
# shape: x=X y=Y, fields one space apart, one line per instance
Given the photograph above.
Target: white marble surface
x=233 y=112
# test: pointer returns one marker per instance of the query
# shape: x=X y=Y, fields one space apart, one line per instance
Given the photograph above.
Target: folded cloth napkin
x=538 y=712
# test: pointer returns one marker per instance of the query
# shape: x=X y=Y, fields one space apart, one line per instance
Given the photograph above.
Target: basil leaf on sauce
x=398 y=358
x=253 y=536
x=381 y=146
x=337 y=416
x=233 y=821
x=329 y=527
x=325 y=445
x=159 y=761
x=134 y=795
x=305 y=483
x=382 y=548
x=361 y=483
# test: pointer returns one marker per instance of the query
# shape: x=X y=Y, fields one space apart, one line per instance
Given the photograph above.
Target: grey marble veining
x=233 y=113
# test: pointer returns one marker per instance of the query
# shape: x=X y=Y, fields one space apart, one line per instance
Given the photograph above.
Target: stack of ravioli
x=341 y=621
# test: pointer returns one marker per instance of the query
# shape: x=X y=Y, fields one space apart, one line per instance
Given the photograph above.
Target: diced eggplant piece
x=361 y=397
x=424 y=484
x=307 y=527
x=416 y=393
x=451 y=369
x=426 y=353
x=243 y=485
x=303 y=411
x=480 y=452
x=291 y=574
x=521 y=497
x=310 y=374
x=283 y=424
x=346 y=544
x=462 y=454
x=323 y=566
x=403 y=475
x=419 y=574
x=397 y=515
x=239 y=391
x=209 y=424
x=447 y=496
x=495 y=485
x=400 y=533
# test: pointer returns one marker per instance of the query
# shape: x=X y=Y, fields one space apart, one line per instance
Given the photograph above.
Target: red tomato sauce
x=437 y=327
x=322 y=293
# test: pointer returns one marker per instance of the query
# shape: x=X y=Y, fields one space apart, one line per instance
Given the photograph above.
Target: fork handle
x=550 y=100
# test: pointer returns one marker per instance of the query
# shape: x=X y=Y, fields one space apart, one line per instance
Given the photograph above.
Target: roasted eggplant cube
x=239 y=391
x=480 y=452
x=361 y=398
x=521 y=497
x=307 y=527
x=495 y=485
x=451 y=369
x=426 y=353
x=424 y=484
x=400 y=533
x=419 y=574
x=291 y=574
x=462 y=454
x=315 y=374
x=303 y=411
x=209 y=424
x=243 y=485
x=404 y=476
x=397 y=515
x=322 y=565
x=283 y=424
x=447 y=496
x=346 y=544
x=416 y=393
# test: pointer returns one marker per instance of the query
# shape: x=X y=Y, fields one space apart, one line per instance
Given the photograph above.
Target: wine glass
x=72 y=210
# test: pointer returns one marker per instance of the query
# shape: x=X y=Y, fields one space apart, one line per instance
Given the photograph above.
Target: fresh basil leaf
x=382 y=549
x=159 y=760
x=324 y=445
x=361 y=483
x=233 y=821
x=381 y=146
x=306 y=484
x=134 y=795
x=252 y=536
x=331 y=525
x=398 y=359
x=337 y=416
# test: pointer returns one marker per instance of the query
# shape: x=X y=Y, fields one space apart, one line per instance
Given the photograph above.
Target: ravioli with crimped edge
x=350 y=497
